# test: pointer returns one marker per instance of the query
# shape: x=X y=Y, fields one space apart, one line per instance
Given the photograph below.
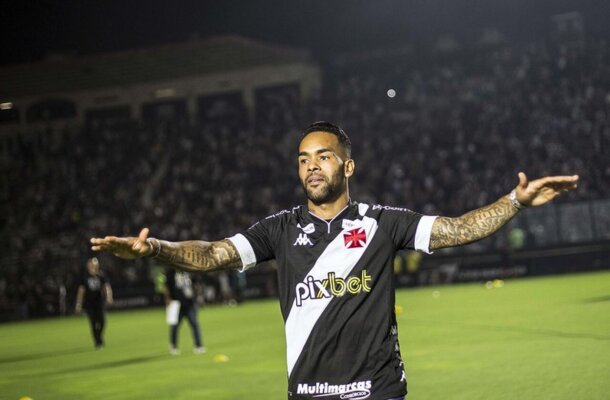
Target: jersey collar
x=348 y=210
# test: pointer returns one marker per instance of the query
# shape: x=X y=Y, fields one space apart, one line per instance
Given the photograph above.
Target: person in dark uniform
x=179 y=287
x=335 y=267
x=94 y=293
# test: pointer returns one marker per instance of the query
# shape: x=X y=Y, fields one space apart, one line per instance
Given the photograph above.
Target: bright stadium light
x=391 y=93
x=6 y=106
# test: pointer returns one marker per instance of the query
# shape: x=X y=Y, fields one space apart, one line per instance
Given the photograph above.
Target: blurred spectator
x=94 y=292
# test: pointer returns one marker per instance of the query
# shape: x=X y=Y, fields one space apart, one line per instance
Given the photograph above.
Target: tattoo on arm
x=199 y=256
x=472 y=226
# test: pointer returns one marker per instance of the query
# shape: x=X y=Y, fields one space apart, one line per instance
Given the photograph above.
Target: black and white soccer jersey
x=336 y=285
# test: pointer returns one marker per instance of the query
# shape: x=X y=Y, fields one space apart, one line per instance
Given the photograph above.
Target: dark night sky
x=31 y=30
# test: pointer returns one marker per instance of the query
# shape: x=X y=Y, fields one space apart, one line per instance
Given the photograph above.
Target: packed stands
x=453 y=138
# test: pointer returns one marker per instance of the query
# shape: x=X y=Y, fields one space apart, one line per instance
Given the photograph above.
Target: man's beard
x=328 y=191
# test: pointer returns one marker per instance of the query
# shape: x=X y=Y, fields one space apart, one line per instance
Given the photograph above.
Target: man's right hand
x=127 y=248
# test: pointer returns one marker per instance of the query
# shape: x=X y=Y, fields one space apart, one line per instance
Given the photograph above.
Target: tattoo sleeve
x=472 y=226
x=199 y=256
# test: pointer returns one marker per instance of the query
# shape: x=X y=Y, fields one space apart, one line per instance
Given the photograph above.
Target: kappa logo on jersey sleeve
x=303 y=240
x=355 y=238
x=309 y=228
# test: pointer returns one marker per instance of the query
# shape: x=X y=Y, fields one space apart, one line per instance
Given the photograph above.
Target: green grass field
x=546 y=338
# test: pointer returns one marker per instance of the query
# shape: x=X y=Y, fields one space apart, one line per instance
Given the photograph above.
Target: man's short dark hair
x=324 y=126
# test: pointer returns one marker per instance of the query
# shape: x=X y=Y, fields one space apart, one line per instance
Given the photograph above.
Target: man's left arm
x=480 y=223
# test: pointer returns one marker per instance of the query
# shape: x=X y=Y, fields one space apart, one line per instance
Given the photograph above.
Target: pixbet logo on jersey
x=332 y=287
x=355 y=238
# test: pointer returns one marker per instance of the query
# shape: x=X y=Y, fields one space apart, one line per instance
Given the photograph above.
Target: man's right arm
x=196 y=256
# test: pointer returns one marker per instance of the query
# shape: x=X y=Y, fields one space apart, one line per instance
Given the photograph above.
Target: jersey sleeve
x=408 y=229
x=258 y=243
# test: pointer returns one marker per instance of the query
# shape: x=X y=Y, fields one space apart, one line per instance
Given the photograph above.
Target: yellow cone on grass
x=220 y=358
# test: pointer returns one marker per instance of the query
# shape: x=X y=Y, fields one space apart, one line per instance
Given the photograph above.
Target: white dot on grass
x=436 y=294
x=391 y=93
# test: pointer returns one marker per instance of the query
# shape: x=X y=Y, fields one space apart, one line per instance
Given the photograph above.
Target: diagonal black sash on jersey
x=335 y=259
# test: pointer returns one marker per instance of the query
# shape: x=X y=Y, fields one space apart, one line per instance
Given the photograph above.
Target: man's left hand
x=541 y=191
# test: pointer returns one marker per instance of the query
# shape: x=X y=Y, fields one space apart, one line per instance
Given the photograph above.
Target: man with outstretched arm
x=334 y=259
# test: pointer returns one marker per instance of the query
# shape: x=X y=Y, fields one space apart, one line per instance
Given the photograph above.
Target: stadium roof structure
x=193 y=58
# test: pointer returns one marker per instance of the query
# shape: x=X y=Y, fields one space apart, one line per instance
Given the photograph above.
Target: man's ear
x=348 y=168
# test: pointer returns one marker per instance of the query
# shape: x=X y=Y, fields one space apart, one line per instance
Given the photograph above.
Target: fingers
x=105 y=240
x=124 y=247
x=108 y=240
x=143 y=234
x=103 y=247
x=559 y=183
x=560 y=179
x=522 y=180
x=109 y=243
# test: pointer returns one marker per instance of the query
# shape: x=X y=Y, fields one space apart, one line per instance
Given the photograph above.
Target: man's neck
x=329 y=210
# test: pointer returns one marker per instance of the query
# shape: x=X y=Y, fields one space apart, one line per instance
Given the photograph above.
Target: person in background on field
x=179 y=287
x=94 y=293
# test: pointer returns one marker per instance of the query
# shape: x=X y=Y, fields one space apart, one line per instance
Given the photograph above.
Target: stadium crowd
x=453 y=138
